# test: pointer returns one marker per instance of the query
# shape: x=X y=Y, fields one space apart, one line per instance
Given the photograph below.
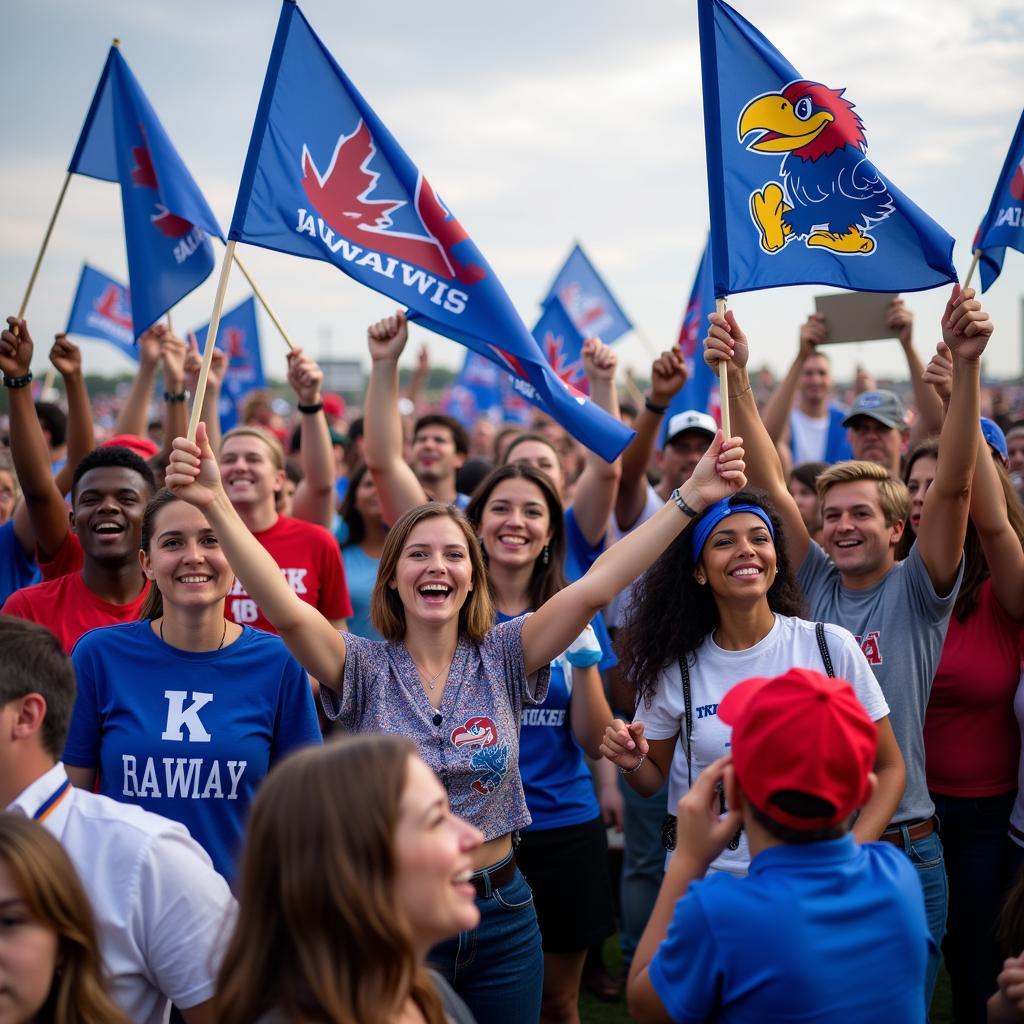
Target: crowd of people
x=329 y=717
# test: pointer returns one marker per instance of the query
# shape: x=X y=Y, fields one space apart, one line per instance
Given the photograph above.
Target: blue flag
x=239 y=337
x=794 y=198
x=701 y=389
x=562 y=344
x=326 y=180
x=588 y=300
x=166 y=219
x=477 y=391
x=102 y=309
x=1004 y=223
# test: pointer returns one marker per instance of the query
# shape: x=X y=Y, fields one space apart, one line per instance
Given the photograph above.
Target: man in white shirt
x=163 y=914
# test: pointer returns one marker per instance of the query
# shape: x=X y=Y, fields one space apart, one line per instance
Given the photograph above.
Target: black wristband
x=18 y=382
x=308 y=410
x=176 y=396
x=658 y=410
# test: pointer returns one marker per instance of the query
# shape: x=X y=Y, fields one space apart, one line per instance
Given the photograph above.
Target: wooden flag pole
x=972 y=268
x=634 y=391
x=42 y=248
x=723 y=382
x=170 y=325
x=211 y=342
x=263 y=302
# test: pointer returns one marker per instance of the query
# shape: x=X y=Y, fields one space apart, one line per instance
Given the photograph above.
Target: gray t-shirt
x=900 y=624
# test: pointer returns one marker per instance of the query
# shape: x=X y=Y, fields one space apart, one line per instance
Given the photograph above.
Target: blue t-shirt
x=580 y=555
x=188 y=735
x=556 y=780
x=815 y=933
x=17 y=570
x=360 y=575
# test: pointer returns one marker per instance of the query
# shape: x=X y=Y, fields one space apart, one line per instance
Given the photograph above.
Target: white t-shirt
x=810 y=437
x=790 y=643
x=618 y=607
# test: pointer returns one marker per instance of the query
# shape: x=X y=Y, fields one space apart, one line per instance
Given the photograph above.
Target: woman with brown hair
x=50 y=965
x=452 y=680
x=354 y=868
x=184 y=712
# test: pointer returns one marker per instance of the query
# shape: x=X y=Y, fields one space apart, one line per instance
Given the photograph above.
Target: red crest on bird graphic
x=144 y=176
x=830 y=194
x=109 y=306
x=343 y=195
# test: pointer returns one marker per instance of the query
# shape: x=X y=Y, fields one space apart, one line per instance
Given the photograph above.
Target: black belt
x=486 y=880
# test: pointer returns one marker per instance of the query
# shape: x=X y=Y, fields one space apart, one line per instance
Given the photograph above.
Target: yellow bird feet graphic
x=852 y=241
x=767 y=208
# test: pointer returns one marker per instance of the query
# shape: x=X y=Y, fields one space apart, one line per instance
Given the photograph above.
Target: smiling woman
x=194 y=756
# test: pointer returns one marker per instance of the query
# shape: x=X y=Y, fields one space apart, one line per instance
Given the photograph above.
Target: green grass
x=592 y=1011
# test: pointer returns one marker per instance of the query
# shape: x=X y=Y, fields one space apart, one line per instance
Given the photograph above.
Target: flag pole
x=723 y=382
x=972 y=268
x=170 y=325
x=263 y=302
x=211 y=341
x=634 y=391
x=42 y=248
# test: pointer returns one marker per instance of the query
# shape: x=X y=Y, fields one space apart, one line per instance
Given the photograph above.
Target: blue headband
x=714 y=515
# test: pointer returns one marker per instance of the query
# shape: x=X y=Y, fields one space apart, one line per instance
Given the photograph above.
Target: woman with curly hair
x=50 y=965
x=721 y=606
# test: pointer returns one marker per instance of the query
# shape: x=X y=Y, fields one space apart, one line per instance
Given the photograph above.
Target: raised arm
x=396 y=483
x=814 y=331
x=314 y=497
x=999 y=541
x=67 y=360
x=173 y=354
x=929 y=407
x=726 y=340
x=210 y=411
x=668 y=378
x=554 y=626
x=966 y=329
x=134 y=415
x=194 y=476
x=418 y=379
x=594 y=497
x=45 y=504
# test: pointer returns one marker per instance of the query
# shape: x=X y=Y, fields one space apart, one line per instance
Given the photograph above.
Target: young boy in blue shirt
x=822 y=928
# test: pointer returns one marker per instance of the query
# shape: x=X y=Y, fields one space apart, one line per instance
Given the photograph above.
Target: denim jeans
x=981 y=861
x=926 y=855
x=498 y=967
x=643 y=863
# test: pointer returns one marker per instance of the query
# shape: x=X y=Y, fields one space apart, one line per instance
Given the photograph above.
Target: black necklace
x=222 y=636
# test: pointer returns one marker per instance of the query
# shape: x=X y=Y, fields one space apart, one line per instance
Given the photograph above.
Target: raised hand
x=899 y=319
x=668 y=376
x=721 y=471
x=192 y=472
x=149 y=345
x=15 y=348
x=624 y=743
x=66 y=357
x=813 y=332
x=727 y=341
x=966 y=327
x=387 y=338
x=304 y=376
x=701 y=833
x=599 y=361
x=173 y=354
x=939 y=372
x=194 y=363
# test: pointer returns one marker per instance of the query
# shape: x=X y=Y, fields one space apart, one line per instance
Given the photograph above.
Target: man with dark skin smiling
x=90 y=558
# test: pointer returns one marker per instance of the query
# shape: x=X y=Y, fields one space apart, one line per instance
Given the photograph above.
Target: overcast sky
x=540 y=122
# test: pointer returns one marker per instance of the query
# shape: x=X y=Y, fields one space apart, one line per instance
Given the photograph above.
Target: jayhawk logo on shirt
x=490 y=757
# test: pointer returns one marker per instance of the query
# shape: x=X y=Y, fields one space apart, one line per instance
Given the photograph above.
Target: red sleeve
x=333 y=601
x=68 y=559
x=17 y=606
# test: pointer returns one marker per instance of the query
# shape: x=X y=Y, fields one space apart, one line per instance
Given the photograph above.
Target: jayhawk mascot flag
x=825 y=198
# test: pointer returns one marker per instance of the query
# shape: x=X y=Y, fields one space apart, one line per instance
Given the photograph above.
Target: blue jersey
x=360 y=576
x=556 y=780
x=816 y=932
x=188 y=735
x=17 y=569
x=579 y=557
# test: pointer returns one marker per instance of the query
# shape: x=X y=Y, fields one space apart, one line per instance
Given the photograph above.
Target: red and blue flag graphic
x=326 y=180
x=562 y=345
x=700 y=391
x=477 y=391
x=238 y=336
x=794 y=198
x=589 y=302
x=166 y=219
x=1003 y=226
x=102 y=309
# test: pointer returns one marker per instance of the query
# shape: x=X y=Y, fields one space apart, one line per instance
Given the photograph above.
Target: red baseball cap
x=334 y=405
x=142 y=446
x=801 y=731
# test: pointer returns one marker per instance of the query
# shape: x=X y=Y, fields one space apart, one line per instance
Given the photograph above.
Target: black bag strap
x=819 y=632
x=684 y=675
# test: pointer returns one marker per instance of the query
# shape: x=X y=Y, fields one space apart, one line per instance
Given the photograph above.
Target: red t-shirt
x=68 y=559
x=971 y=738
x=68 y=608
x=310 y=562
